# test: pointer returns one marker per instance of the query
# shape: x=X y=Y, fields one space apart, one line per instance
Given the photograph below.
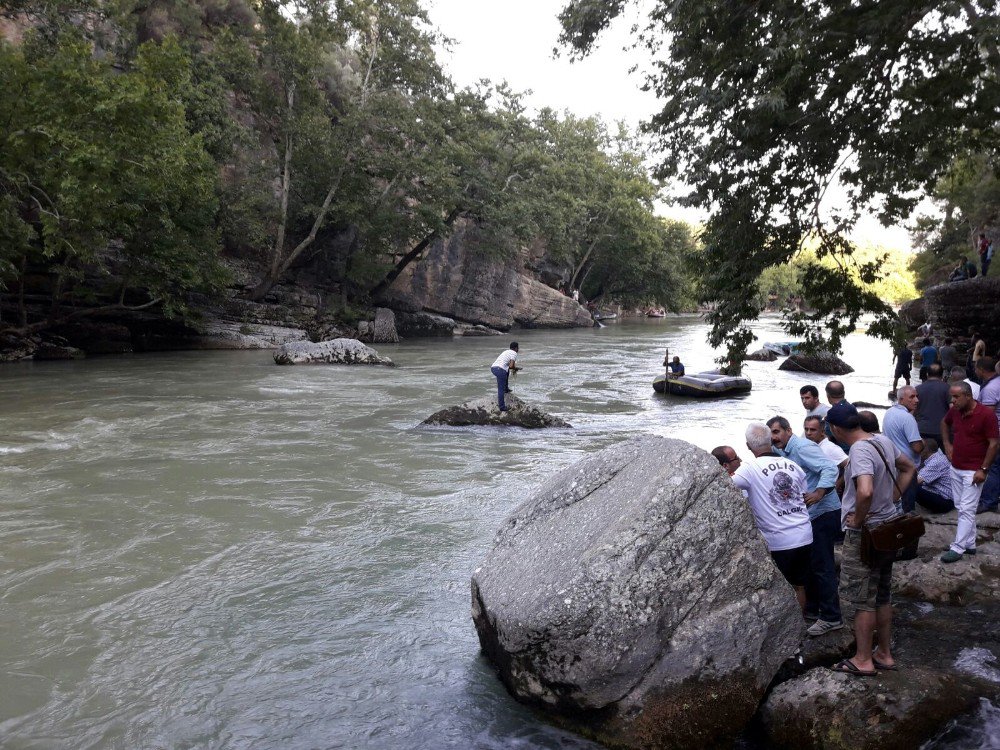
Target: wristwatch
x=985 y=469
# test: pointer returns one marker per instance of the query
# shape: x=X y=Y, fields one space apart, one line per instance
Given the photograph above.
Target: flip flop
x=884 y=667
x=847 y=666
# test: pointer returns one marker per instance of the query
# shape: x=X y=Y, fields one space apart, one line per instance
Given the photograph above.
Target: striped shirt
x=506 y=359
x=936 y=473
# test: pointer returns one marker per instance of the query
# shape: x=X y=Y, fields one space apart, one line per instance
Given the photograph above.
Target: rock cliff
x=460 y=279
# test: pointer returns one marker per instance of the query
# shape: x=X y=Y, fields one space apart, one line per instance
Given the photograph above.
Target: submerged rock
x=333 y=352
x=47 y=351
x=819 y=364
x=762 y=355
x=633 y=599
x=486 y=412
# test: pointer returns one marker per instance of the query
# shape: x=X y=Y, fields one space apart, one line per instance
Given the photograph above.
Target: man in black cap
x=869 y=497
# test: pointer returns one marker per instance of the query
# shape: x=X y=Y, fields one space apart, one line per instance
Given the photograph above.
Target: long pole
x=666 y=372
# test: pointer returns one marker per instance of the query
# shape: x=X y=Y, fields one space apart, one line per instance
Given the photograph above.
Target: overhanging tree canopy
x=766 y=105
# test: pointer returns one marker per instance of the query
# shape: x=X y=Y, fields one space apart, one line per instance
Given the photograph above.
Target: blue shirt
x=901 y=428
x=928 y=356
x=677 y=368
x=820 y=471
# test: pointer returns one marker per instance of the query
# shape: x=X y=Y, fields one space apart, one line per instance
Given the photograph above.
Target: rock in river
x=819 y=364
x=486 y=412
x=634 y=600
x=332 y=352
x=762 y=355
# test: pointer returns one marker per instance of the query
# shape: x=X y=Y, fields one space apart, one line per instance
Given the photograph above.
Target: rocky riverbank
x=604 y=604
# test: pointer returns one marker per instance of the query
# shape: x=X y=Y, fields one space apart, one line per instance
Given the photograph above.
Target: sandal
x=846 y=666
x=884 y=667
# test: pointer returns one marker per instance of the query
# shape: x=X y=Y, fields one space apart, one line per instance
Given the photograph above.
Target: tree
x=99 y=173
x=767 y=106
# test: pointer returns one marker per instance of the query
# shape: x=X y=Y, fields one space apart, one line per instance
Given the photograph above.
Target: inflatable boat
x=704 y=385
x=782 y=348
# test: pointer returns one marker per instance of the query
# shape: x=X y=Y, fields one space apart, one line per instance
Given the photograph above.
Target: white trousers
x=966 y=497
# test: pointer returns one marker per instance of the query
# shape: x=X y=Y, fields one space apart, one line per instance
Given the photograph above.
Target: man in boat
x=775 y=487
x=676 y=367
x=505 y=366
x=823 y=503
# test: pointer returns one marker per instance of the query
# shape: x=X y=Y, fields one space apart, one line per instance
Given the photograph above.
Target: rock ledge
x=332 y=352
x=485 y=412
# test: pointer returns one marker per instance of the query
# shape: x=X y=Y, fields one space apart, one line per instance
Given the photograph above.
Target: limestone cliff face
x=474 y=287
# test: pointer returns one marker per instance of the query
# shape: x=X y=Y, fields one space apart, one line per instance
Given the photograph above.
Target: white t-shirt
x=505 y=359
x=976 y=388
x=832 y=451
x=775 y=487
x=819 y=410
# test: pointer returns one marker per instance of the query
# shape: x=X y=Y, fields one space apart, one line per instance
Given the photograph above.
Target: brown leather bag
x=889 y=539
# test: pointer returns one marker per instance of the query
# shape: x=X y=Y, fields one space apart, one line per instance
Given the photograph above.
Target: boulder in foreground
x=486 y=412
x=332 y=352
x=633 y=599
x=819 y=364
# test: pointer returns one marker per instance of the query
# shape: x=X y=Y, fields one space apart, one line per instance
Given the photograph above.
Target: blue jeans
x=822 y=596
x=991 y=487
x=909 y=497
x=501 y=375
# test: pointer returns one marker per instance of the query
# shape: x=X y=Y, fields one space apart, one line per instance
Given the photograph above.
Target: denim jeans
x=501 y=375
x=822 y=597
x=991 y=487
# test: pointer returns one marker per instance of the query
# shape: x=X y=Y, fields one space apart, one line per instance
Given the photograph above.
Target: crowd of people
x=938 y=447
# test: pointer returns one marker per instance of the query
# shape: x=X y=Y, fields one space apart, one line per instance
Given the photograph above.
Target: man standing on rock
x=947 y=354
x=505 y=365
x=823 y=503
x=989 y=396
x=970 y=435
x=776 y=489
x=900 y=426
x=933 y=403
x=869 y=499
x=928 y=356
x=903 y=358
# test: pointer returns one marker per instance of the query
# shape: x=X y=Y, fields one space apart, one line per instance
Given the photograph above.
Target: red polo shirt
x=970 y=435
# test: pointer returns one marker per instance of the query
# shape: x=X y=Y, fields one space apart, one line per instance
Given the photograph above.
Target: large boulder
x=818 y=364
x=634 y=600
x=384 y=327
x=961 y=307
x=486 y=412
x=762 y=355
x=419 y=324
x=333 y=352
x=826 y=710
x=913 y=314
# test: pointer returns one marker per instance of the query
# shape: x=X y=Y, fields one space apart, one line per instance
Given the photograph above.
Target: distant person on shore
x=823 y=504
x=505 y=366
x=989 y=397
x=809 y=395
x=926 y=330
x=727 y=458
x=869 y=499
x=903 y=357
x=900 y=426
x=775 y=487
x=676 y=367
x=928 y=356
x=970 y=438
x=934 y=479
x=933 y=403
x=965 y=269
x=958 y=376
x=985 y=256
x=947 y=354
x=971 y=358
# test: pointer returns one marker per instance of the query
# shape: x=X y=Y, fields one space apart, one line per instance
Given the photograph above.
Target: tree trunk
x=385 y=326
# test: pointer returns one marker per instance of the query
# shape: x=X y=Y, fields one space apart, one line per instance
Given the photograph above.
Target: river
x=205 y=550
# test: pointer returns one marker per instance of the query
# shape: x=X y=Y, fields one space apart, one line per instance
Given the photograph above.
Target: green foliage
x=768 y=105
x=98 y=168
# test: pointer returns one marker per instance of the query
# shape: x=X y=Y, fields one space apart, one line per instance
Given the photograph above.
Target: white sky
x=513 y=41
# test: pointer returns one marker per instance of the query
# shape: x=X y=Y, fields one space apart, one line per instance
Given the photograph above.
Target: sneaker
x=950 y=556
x=821 y=627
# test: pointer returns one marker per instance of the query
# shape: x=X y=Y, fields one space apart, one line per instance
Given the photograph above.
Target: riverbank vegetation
x=769 y=110
x=146 y=148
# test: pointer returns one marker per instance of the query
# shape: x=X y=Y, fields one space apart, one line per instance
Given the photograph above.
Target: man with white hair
x=900 y=426
x=776 y=489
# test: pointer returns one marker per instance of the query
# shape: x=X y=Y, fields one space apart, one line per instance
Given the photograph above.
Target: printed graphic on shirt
x=783 y=493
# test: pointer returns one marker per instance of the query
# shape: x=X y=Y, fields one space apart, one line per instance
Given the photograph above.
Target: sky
x=513 y=40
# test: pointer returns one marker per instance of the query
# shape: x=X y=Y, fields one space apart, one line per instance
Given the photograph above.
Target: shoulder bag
x=896 y=538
